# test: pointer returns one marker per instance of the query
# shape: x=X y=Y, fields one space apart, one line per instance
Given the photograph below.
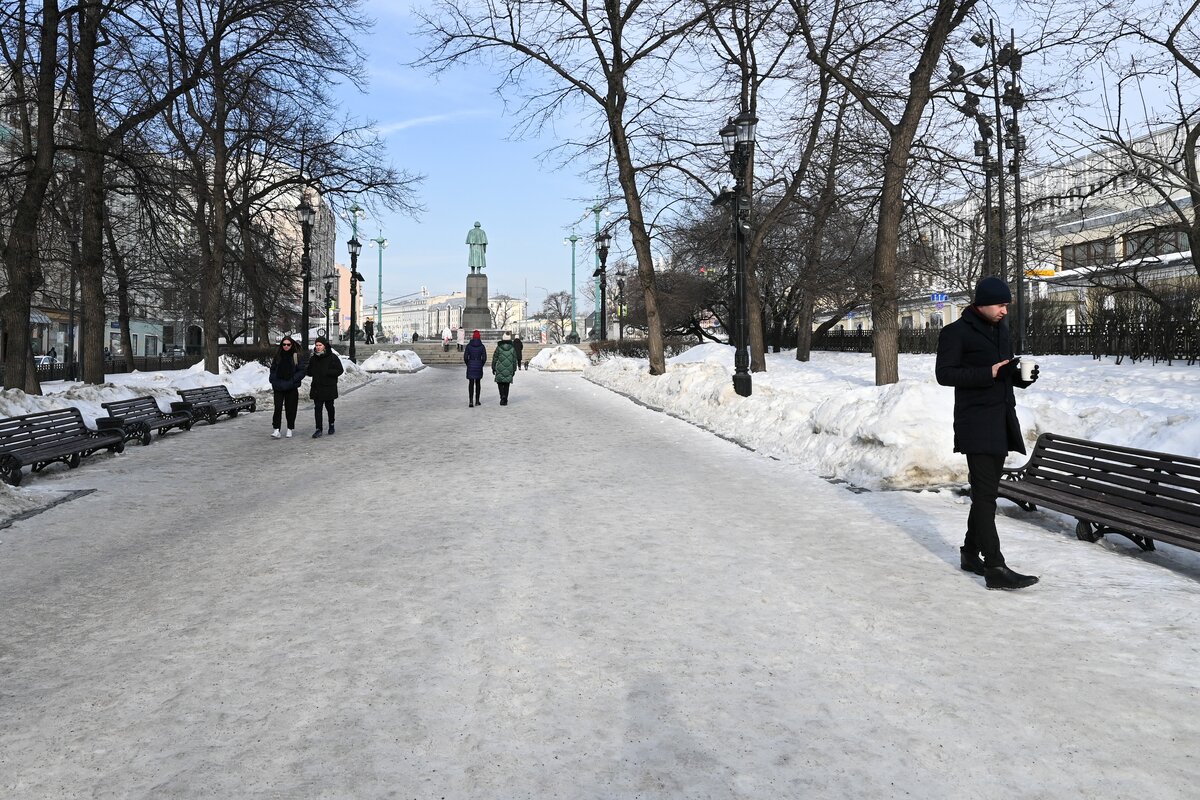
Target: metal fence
x=1172 y=342
x=115 y=364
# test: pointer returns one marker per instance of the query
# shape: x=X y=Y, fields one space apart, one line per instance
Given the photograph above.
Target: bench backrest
x=1159 y=484
x=136 y=407
x=206 y=394
x=33 y=431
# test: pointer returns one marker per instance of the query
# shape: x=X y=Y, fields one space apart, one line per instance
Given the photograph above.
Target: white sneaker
x=289 y=433
x=275 y=434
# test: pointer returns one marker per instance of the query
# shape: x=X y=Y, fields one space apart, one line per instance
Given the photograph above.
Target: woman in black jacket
x=324 y=367
x=287 y=373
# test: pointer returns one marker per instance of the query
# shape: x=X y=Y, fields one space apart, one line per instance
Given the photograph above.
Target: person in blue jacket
x=474 y=356
x=287 y=373
x=975 y=356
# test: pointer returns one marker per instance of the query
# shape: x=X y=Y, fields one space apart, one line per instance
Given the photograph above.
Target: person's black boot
x=331 y=429
x=1005 y=578
x=970 y=561
x=317 y=434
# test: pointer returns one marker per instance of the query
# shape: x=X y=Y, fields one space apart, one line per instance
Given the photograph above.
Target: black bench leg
x=1086 y=531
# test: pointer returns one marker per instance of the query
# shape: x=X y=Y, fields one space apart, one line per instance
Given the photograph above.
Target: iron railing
x=1170 y=342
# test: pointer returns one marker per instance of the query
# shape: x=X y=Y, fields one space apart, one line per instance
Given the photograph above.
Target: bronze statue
x=477 y=240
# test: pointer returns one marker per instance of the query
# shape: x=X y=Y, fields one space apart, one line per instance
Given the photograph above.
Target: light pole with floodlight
x=573 y=336
x=382 y=244
x=621 y=302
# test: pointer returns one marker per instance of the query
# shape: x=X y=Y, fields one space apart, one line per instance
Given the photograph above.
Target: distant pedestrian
x=446 y=338
x=474 y=356
x=324 y=366
x=518 y=345
x=415 y=337
x=369 y=331
x=975 y=357
x=504 y=366
x=287 y=373
x=53 y=354
x=462 y=338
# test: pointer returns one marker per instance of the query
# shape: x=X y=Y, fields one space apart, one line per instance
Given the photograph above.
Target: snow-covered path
x=570 y=597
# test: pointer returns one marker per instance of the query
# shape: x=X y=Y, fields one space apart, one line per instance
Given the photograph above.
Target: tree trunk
x=22 y=260
x=637 y=232
x=804 y=327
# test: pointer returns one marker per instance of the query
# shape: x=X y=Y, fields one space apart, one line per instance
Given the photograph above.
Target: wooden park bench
x=1140 y=494
x=140 y=417
x=210 y=402
x=45 y=437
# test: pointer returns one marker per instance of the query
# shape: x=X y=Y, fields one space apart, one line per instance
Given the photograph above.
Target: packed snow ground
x=572 y=597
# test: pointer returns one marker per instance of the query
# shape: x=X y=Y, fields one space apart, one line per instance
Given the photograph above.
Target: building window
x=1159 y=241
x=1089 y=254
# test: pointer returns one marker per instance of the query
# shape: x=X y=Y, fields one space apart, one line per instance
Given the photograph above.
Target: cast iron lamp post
x=573 y=336
x=382 y=244
x=306 y=214
x=737 y=138
x=328 y=298
x=602 y=240
x=355 y=247
x=621 y=303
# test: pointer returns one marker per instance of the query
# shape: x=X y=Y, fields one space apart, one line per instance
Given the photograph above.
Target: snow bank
x=561 y=358
x=827 y=415
x=397 y=361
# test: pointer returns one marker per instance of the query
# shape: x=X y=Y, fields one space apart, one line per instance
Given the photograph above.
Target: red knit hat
x=475 y=335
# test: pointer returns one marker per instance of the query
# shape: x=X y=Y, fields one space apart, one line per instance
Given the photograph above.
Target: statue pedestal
x=476 y=315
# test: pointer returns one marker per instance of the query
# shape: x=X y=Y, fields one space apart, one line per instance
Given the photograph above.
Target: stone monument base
x=476 y=315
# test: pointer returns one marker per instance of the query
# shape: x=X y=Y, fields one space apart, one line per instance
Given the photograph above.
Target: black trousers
x=473 y=388
x=285 y=400
x=504 y=387
x=328 y=404
x=984 y=475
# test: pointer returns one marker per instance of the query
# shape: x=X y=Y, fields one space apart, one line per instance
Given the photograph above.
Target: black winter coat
x=475 y=356
x=299 y=365
x=324 y=369
x=985 y=409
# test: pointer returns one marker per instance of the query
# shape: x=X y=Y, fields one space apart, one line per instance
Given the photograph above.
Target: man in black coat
x=975 y=357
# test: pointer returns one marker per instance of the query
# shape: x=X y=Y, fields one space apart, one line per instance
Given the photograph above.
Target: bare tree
x=618 y=62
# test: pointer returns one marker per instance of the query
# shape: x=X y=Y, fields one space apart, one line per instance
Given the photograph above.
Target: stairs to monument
x=431 y=352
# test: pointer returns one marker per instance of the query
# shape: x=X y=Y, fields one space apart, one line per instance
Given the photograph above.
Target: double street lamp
x=306 y=214
x=602 y=241
x=355 y=247
x=737 y=138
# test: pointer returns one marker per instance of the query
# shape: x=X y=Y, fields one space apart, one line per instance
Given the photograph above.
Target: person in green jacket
x=504 y=366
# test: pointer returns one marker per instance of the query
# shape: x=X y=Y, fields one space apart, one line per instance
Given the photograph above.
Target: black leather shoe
x=970 y=562
x=1005 y=578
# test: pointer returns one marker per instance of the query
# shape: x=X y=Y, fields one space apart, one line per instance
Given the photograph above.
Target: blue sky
x=453 y=129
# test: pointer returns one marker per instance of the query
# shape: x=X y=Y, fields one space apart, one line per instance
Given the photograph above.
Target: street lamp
x=737 y=138
x=328 y=298
x=621 y=302
x=602 y=240
x=69 y=350
x=597 y=210
x=355 y=247
x=380 y=243
x=306 y=214
x=573 y=336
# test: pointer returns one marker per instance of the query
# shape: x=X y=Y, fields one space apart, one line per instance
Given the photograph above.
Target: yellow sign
x=1039 y=273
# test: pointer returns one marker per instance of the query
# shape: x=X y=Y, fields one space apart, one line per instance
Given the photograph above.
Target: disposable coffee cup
x=1028 y=365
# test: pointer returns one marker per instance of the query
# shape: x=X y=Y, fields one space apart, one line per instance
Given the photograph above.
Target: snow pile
x=560 y=358
x=250 y=378
x=828 y=416
x=394 y=361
